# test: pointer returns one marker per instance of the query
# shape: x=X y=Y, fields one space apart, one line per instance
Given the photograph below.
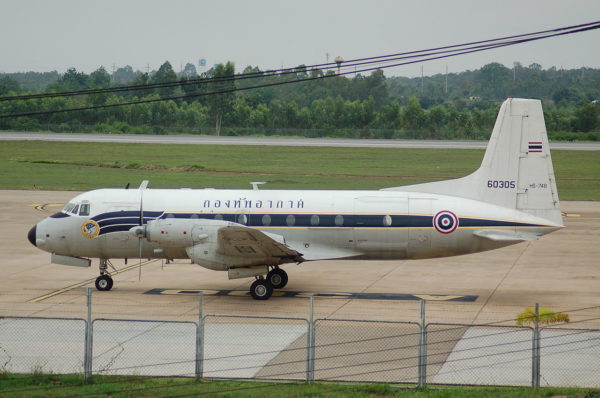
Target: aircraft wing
x=506 y=236
x=239 y=240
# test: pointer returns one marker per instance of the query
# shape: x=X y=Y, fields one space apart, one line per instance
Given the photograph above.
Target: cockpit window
x=75 y=208
x=84 y=210
x=69 y=207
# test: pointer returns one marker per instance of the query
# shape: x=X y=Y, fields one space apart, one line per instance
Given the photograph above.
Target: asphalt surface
x=266 y=141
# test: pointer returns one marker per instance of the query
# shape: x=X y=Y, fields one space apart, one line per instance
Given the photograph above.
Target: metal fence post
x=422 y=348
x=87 y=353
x=310 y=353
x=200 y=338
x=535 y=357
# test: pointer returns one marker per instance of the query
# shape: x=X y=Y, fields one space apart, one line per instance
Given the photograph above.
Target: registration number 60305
x=501 y=184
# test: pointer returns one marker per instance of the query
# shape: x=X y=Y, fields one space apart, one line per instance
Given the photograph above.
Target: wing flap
x=244 y=241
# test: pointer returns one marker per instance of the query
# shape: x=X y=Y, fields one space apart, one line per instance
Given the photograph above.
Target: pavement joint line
x=87 y=281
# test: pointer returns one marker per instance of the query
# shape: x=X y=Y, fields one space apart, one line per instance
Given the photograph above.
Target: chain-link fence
x=36 y=344
x=296 y=348
x=143 y=347
x=360 y=350
x=479 y=354
x=570 y=357
x=237 y=346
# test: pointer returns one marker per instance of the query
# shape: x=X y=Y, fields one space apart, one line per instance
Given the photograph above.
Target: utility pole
x=421 y=77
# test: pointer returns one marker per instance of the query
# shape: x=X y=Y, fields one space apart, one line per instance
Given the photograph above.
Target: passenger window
x=314 y=220
x=266 y=220
x=290 y=220
x=387 y=221
x=84 y=210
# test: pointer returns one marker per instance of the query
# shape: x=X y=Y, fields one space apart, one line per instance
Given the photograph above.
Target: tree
x=189 y=72
x=123 y=75
x=8 y=85
x=414 y=116
x=165 y=74
x=99 y=78
x=222 y=82
x=72 y=81
x=586 y=117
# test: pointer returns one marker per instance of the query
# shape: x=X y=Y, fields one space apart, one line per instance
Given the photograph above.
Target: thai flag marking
x=535 y=146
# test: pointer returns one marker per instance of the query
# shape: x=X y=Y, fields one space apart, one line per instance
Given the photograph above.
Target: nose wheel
x=104 y=283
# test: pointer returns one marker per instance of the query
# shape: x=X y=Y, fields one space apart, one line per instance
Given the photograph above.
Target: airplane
x=511 y=198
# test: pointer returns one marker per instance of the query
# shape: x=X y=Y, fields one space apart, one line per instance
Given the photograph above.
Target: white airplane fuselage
x=349 y=224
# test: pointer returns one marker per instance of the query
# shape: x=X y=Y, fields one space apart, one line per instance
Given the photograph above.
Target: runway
x=268 y=141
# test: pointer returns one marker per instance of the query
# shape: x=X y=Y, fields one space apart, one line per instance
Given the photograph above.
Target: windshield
x=71 y=208
x=76 y=208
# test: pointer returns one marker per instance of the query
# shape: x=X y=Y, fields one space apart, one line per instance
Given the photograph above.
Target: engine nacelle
x=174 y=232
x=204 y=244
x=207 y=255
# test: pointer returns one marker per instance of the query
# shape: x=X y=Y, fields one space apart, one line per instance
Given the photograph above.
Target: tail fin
x=516 y=171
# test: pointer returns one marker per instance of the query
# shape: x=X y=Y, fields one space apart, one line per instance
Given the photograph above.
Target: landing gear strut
x=104 y=282
x=262 y=288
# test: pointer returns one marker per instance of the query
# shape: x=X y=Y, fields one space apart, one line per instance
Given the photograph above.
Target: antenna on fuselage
x=255 y=184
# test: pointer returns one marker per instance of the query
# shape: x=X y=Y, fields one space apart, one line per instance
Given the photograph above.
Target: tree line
x=444 y=106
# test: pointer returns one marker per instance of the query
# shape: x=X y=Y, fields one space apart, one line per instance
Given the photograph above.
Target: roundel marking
x=90 y=229
x=445 y=222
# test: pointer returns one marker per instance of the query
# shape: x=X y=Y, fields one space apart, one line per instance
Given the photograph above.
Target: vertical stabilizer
x=516 y=171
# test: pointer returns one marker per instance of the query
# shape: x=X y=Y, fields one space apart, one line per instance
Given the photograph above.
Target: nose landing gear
x=104 y=282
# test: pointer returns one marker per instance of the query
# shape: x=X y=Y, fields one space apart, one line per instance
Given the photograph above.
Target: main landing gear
x=262 y=288
x=104 y=282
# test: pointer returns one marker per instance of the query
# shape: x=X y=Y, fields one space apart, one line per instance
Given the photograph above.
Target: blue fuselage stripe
x=124 y=221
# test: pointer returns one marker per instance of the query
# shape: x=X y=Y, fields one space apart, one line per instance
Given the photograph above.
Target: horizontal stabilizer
x=506 y=236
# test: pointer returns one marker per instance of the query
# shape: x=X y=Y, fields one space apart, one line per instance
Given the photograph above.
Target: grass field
x=85 y=166
x=73 y=386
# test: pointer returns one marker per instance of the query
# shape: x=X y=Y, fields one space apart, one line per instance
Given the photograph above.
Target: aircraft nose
x=31 y=235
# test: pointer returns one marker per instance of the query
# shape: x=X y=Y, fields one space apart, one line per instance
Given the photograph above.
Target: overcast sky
x=44 y=35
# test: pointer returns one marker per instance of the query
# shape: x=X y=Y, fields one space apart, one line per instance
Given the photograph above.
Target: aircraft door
x=419 y=227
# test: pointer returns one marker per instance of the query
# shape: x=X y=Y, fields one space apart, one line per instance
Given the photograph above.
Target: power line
x=432 y=55
x=482 y=44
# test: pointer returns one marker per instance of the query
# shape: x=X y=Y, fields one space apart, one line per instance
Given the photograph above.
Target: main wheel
x=104 y=282
x=261 y=289
x=278 y=278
